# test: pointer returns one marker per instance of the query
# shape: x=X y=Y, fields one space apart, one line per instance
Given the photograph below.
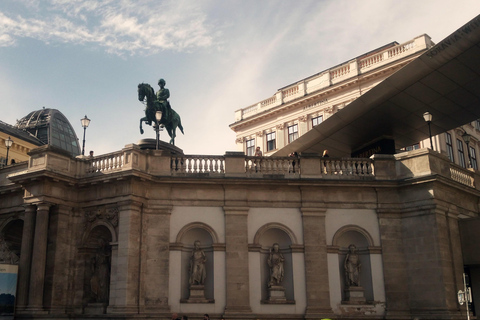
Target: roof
x=20 y=134
x=445 y=81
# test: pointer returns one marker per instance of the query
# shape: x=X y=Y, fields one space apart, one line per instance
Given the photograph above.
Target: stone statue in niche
x=100 y=281
x=352 y=267
x=275 y=262
x=6 y=255
x=198 y=272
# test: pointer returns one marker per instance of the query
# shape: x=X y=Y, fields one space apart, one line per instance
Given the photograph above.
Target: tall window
x=461 y=155
x=251 y=147
x=317 y=120
x=271 y=145
x=477 y=124
x=292 y=133
x=473 y=158
x=448 y=138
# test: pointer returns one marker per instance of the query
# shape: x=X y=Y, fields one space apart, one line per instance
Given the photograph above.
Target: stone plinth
x=276 y=294
x=197 y=295
x=162 y=145
x=95 y=308
x=354 y=295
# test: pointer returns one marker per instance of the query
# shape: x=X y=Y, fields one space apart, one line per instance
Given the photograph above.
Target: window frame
x=461 y=153
x=316 y=120
x=271 y=142
x=449 y=144
x=250 y=147
x=292 y=132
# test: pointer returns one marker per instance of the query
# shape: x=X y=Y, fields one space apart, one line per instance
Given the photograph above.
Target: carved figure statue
x=275 y=262
x=6 y=255
x=352 y=266
x=158 y=102
x=197 y=265
x=100 y=280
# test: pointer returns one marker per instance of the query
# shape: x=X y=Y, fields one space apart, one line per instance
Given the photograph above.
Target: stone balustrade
x=406 y=165
x=337 y=74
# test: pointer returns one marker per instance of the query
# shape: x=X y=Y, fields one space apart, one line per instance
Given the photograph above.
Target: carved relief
x=6 y=255
x=109 y=215
x=280 y=126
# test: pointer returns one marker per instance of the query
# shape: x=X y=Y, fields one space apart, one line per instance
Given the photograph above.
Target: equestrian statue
x=159 y=102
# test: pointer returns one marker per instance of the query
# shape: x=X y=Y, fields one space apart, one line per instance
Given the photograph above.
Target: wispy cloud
x=121 y=27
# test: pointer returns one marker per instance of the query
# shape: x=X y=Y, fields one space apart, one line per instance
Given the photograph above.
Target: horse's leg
x=141 y=120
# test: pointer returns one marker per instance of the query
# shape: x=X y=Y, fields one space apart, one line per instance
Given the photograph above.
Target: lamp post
x=428 y=118
x=158 y=117
x=85 y=122
x=8 y=144
x=466 y=137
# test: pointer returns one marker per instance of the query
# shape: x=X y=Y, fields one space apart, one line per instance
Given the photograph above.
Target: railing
x=462 y=176
x=359 y=167
x=195 y=164
x=339 y=73
x=106 y=163
x=271 y=165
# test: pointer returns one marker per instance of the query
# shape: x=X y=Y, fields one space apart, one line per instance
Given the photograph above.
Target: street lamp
x=85 y=122
x=428 y=118
x=8 y=144
x=466 y=137
x=158 y=117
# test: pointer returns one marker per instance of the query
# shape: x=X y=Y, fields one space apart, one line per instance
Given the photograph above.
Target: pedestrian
x=206 y=317
x=175 y=316
x=258 y=152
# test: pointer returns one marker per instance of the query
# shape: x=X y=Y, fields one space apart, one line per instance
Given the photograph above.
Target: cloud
x=121 y=27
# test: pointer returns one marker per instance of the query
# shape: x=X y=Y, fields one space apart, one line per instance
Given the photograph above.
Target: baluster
x=342 y=168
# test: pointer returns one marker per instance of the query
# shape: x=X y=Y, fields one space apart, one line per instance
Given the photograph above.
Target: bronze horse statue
x=170 y=119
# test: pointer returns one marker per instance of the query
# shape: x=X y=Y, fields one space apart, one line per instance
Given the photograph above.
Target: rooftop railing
x=337 y=74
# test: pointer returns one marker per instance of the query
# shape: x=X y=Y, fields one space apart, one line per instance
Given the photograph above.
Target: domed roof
x=51 y=127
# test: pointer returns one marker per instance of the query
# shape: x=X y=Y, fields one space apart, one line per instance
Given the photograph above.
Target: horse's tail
x=180 y=125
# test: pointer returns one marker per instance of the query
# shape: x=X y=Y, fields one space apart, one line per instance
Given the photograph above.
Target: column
x=236 y=246
x=25 y=258
x=125 y=295
x=39 y=258
x=316 y=266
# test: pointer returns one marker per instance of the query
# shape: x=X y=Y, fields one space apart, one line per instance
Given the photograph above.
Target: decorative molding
x=240 y=140
x=303 y=118
x=109 y=215
x=280 y=126
x=259 y=134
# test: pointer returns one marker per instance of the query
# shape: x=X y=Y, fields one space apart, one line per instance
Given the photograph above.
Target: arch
x=262 y=230
x=196 y=225
x=88 y=232
x=349 y=228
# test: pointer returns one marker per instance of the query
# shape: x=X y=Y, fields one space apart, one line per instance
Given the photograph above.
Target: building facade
x=293 y=110
x=113 y=236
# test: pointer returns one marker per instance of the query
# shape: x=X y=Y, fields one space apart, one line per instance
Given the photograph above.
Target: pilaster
x=25 y=258
x=154 y=268
x=39 y=258
x=125 y=295
x=237 y=278
x=316 y=265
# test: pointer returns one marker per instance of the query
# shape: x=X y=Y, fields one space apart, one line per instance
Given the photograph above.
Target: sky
x=87 y=57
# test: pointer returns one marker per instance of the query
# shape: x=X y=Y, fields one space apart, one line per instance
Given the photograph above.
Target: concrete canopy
x=445 y=81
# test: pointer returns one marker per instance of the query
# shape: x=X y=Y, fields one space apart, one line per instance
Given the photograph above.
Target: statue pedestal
x=197 y=295
x=354 y=295
x=276 y=294
x=95 y=308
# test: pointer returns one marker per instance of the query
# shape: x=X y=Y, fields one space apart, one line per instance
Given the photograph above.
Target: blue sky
x=86 y=57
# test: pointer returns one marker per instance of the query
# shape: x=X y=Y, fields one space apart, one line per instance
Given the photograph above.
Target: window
x=271 y=141
x=461 y=155
x=250 y=147
x=448 y=138
x=317 y=120
x=473 y=158
x=477 y=124
x=292 y=133
x=413 y=147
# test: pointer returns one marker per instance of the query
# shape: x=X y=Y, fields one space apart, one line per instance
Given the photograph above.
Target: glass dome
x=51 y=127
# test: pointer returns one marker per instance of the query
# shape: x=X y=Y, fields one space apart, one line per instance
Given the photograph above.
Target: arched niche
x=96 y=255
x=186 y=237
x=264 y=239
x=359 y=237
x=11 y=232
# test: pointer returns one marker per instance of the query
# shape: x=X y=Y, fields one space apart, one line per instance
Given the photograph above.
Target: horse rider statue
x=162 y=97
